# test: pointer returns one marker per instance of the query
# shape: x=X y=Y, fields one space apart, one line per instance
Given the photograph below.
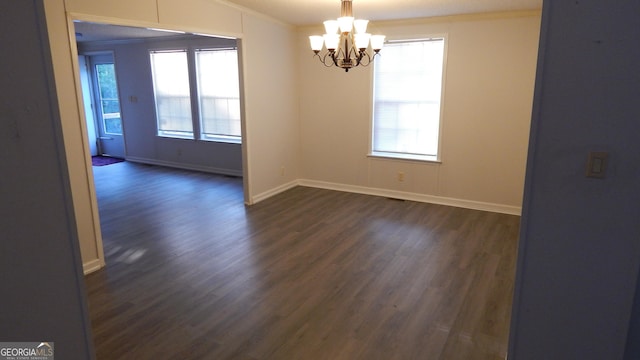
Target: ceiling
x=312 y=12
x=86 y=32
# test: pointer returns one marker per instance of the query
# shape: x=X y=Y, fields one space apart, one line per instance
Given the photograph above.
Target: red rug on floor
x=104 y=160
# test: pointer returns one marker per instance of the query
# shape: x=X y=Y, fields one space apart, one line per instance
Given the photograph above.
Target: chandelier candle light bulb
x=331 y=26
x=346 y=24
x=356 y=43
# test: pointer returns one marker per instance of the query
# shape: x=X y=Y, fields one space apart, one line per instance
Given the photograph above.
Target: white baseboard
x=432 y=199
x=178 y=165
x=467 y=204
x=91 y=266
x=275 y=191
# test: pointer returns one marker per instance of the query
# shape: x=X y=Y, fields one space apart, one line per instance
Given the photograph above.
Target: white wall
x=271 y=95
x=269 y=84
x=490 y=73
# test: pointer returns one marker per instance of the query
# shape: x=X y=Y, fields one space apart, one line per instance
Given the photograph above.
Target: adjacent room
x=137 y=87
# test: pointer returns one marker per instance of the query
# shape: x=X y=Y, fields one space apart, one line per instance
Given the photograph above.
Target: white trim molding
x=93 y=265
x=273 y=192
x=177 y=165
x=431 y=199
x=467 y=204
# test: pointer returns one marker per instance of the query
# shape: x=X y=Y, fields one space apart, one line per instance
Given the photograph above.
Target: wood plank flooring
x=308 y=274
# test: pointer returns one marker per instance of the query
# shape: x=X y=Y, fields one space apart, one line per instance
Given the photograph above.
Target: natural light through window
x=406 y=99
x=170 y=72
x=218 y=94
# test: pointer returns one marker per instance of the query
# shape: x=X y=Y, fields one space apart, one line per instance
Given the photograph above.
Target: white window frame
x=228 y=138
x=409 y=156
x=171 y=133
x=197 y=133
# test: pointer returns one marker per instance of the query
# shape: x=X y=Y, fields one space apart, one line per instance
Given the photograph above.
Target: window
x=218 y=94
x=170 y=73
x=216 y=117
x=406 y=100
x=109 y=100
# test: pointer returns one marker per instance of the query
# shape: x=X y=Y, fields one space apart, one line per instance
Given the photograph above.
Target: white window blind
x=170 y=71
x=218 y=94
x=407 y=93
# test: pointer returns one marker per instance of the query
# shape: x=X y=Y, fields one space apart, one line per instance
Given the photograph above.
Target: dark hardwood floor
x=308 y=274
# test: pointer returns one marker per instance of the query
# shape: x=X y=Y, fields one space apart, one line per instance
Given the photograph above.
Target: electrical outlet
x=282 y=171
x=401 y=176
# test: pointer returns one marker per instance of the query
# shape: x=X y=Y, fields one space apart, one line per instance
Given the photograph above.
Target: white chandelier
x=341 y=32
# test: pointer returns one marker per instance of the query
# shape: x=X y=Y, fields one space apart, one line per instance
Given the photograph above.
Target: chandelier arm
x=323 y=60
x=357 y=56
x=360 y=56
x=365 y=55
x=353 y=52
x=336 y=56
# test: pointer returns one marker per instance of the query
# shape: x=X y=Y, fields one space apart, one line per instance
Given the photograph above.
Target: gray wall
x=142 y=144
x=43 y=296
x=632 y=351
x=579 y=250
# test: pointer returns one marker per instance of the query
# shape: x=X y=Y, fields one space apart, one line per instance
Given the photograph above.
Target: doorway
x=104 y=119
x=115 y=46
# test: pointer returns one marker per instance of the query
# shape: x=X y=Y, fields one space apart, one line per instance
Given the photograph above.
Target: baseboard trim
x=91 y=266
x=467 y=204
x=275 y=191
x=193 y=167
x=432 y=199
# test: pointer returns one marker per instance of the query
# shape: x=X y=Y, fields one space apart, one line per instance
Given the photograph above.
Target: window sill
x=222 y=139
x=406 y=157
x=175 y=136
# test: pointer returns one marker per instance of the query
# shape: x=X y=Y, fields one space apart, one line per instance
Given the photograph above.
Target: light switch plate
x=597 y=164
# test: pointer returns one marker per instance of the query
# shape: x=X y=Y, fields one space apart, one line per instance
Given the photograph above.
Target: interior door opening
x=106 y=106
x=113 y=108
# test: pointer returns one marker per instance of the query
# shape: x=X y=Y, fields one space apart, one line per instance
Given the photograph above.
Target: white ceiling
x=311 y=12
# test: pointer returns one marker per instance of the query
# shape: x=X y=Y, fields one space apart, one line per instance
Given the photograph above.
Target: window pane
x=109 y=101
x=406 y=114
x=219 y=93
x=171 y=87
